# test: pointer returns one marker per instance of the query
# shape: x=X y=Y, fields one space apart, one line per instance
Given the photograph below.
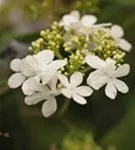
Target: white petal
x=64 y=80
x=121 y=86
x=76 y=79
x=53 y=82
x=88 y=20
x=46 y=76
x=75 y=14
x=45 y=57
x=16 y=80
x=29 y=86
x=97 y=79
x=32 y=85
x=84 y=91
x=66 y=92
x=15 y=64
x=34 y=98
x=117 y=31
x=122 y=71
x=68 y=20
x=110 y=90
x=57 y=64
x=49 y=107
x=124 y=45
x=29 y=66
x=79 y=99
x=76 y=27
x=110 y=66
x=110 y=61
x=94 y=61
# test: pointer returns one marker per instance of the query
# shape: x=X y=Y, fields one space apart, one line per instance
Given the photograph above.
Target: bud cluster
x=106 y=47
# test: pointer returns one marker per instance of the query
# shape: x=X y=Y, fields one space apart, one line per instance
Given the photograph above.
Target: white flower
x=73 y=20
x=40 y=66
x=38 y=92
x=117 y=33
x=107 y=73
x=73 y=90
x=85 y=25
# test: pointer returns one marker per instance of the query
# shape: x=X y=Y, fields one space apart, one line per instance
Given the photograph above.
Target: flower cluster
x=73 y=58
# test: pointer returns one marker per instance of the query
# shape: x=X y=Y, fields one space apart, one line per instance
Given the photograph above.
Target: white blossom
x=73 y=90
x=117 y=33
x=73 y=20
x=38 y=92
x=40 y=66
x=107 y=74
x=85 y=25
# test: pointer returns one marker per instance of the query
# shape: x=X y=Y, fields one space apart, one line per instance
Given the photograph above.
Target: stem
x=58 y=55
x=86 y=70
x=68 y=124
x=64 y=108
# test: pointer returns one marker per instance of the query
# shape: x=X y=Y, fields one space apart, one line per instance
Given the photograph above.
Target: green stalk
x=85 y=70
x=58 y=55
x=64 y=108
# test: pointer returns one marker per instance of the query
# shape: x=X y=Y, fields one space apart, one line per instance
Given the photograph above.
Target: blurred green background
x=103 y=124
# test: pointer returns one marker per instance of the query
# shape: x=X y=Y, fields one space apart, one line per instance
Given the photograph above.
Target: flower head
x=63 y=57
x=73 y=90
x=107 y=73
